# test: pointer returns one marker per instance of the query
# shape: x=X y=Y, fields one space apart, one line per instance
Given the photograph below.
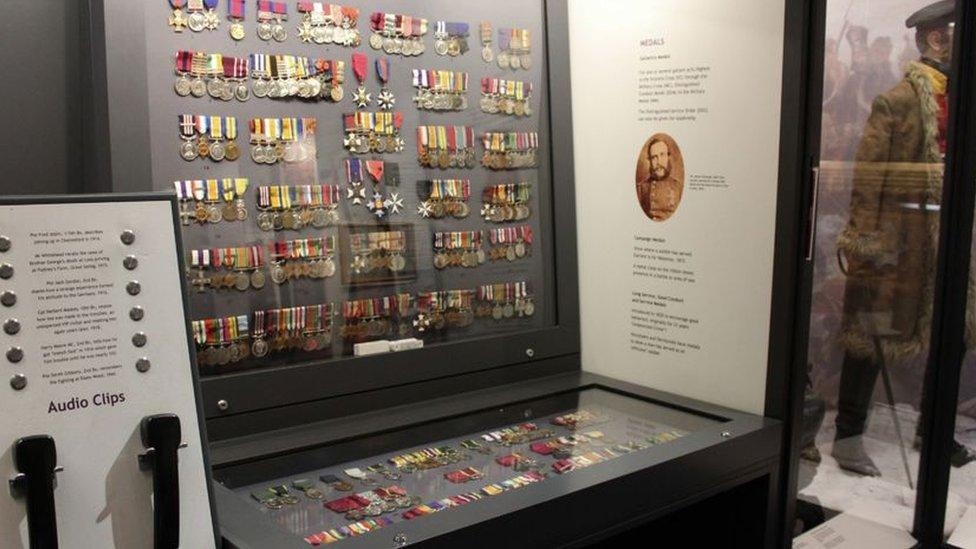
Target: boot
x=850 y=455
x=959 y=456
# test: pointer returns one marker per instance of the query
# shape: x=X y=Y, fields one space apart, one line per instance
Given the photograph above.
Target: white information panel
x=676 y=115
x=94 y=340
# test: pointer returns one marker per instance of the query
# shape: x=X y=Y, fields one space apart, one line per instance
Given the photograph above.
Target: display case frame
x=305 y=381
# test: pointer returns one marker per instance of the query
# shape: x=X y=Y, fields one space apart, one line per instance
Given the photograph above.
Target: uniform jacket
x=659 y=199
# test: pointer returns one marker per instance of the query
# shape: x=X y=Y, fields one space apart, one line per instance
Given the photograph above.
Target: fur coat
x=890 y=244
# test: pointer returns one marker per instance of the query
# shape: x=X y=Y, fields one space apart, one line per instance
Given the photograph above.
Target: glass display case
x=380 y=487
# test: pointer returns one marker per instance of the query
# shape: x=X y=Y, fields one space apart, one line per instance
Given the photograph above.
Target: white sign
x=101 y=329
x=676 y=114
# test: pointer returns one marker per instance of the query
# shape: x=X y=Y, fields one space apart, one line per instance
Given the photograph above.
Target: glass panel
x=882 y=149
x=380 y=186
x=404 y=475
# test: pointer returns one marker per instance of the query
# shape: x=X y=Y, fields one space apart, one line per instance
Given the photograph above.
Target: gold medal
x=231 y=151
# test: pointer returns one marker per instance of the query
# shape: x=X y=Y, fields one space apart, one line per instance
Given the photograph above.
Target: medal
x=397 y=34
x=197 y=20
x=361 y=98
x=486 y=53
x=236 y=15
x=516 y=48
x=211 y=20
x=440 y=90
x=177 y=19
x=386 y=100
x=451 y=38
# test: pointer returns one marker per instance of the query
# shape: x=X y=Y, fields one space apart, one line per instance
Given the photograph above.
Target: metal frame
x=174 y=209
x=710 y=461
x=948 y=348
x=304 y=382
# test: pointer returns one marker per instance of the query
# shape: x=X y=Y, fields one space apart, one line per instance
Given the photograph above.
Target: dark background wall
x=42 y=97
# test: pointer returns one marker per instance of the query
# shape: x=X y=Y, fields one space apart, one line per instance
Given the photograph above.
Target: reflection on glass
x=883 y=145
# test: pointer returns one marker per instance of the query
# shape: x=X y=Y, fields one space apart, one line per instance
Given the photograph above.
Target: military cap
x=934 y=14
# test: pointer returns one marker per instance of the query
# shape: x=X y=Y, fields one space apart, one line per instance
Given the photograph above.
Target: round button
x=15 y=354
x=11 y=326
x=130 y=262
x=18 y=382
x=223 y=405
x=137 y=313
x=133 y=288
x=8 y=299
x=6 y=271
x=143 y=365
x=4 y=244
x=127 y=237
x=139 y=340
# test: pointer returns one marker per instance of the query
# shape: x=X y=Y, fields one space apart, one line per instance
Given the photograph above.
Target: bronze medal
x=229 y=211
x=200 y=213
x=288 y=221
x=203 y=147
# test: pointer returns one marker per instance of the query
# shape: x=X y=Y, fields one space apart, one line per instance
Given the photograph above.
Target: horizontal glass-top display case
x=389 y=486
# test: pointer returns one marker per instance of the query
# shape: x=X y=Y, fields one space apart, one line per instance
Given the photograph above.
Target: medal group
x=362 y=497
x=372 y=127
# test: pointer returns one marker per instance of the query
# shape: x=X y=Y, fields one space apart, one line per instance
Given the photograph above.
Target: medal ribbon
x=359 y=62
x=383 y=70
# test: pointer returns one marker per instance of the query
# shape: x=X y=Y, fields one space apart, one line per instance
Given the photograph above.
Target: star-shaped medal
x=351 y=141
x=421 y=323
x=360 y=264
x=486 y=212
x=424 y=210
x=377 y=205
x=386 y=100
x=394 y=203
x=213 y=21
x=177 y=20
x=362 y=98
x=400 y=144
x=305 y=31
x=357 y=193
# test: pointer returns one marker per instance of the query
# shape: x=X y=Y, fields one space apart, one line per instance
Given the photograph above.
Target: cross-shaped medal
x=177 y=20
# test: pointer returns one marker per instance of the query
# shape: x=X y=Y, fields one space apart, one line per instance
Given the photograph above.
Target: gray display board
x=165 y=106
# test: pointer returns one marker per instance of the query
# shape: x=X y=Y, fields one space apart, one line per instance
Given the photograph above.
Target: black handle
x=36 y=459
x=162 y=436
